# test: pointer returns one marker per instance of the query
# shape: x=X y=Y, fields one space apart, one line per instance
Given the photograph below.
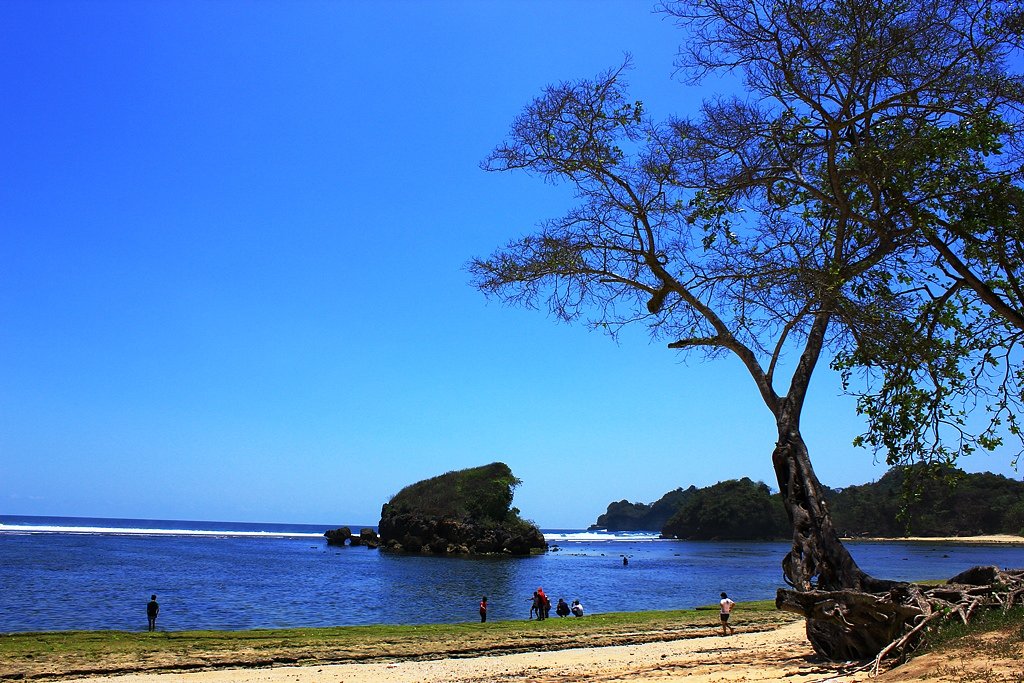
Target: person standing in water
x=727 y=606
x=152 y=609
x=483 y=609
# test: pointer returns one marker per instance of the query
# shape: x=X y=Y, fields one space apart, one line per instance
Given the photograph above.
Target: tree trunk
x=818 y=559
x=828 y=584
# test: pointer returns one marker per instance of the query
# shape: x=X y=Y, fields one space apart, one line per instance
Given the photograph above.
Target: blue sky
x=232 y=286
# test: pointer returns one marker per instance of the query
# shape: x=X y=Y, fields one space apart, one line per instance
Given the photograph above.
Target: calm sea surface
x=59 y=573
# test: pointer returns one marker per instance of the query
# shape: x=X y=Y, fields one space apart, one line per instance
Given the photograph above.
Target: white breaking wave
x=559 y=536
x=44 y=529
x=591 y=536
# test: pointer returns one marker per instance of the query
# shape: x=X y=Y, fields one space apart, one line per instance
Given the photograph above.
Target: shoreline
x=112 y=654
x=767 y=647
x=757 y=656
x=988 y=539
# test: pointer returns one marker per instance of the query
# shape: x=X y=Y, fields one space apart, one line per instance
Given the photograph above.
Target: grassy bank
x=54 y=655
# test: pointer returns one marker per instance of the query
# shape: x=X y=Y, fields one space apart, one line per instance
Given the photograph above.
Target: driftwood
x=851 y=624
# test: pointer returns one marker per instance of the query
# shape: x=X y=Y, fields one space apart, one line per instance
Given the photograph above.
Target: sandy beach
x=776 y=655
x=991 y=539
x=773 y=654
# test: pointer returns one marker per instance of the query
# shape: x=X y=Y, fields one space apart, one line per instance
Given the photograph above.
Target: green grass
x=52 y=655
x=984 y=621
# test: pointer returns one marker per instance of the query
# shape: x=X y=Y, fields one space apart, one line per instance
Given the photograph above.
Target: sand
x=781 y=655
x=778 y=655
x=991 y=539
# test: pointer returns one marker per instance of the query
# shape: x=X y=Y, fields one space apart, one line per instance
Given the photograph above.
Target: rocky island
x=465 y=512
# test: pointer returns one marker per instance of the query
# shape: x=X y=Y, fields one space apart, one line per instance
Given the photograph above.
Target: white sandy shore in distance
x=780 y=655
x=989 y=539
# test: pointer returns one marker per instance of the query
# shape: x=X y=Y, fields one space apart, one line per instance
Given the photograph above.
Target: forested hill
x=975 y=504
x=626 y=516
x=741 y=509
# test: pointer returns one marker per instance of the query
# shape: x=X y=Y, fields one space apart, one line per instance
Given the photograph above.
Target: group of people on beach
x=540 y=606
x=563 y=609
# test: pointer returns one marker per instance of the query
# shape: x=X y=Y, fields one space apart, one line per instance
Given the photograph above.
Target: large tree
x=760 y=228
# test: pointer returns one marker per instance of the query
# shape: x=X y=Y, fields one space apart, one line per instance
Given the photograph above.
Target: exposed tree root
x=850 y=624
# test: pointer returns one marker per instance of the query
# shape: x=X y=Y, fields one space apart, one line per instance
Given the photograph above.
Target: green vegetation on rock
x=478 y=493
x=463 y=512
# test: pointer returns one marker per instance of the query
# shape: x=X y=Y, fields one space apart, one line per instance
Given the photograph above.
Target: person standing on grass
x=727 y=606
x=483 y=609
x=152 y=609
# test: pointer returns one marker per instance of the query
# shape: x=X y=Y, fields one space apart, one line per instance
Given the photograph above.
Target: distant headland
x=953 y=504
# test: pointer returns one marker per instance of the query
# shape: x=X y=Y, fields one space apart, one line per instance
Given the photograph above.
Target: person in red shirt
x=543 y=604
x=483 y=609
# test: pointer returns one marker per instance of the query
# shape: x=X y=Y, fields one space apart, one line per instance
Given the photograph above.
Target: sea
x=72 y=573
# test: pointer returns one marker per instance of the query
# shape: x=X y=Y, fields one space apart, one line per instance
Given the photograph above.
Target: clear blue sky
x=232 y=286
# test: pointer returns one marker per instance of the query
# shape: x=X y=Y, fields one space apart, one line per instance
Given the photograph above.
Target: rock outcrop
x=339 y=536
x=343 y=536
x=464 y=512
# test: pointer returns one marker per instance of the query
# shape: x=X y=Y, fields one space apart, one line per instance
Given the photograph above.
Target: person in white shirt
x=727 y=606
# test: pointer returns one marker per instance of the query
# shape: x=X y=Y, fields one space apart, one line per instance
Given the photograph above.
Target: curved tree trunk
x=818 y=564
x=818 y=558
x=850 y=614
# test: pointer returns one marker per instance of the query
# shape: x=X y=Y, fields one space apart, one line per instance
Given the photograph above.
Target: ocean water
x=78 y=573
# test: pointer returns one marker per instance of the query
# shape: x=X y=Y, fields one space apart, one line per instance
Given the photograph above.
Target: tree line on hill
x=903 y=502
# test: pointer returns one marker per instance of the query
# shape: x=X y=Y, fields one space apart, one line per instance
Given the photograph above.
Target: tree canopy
x=977 y=504
x=924 y=113
x=482 y=494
